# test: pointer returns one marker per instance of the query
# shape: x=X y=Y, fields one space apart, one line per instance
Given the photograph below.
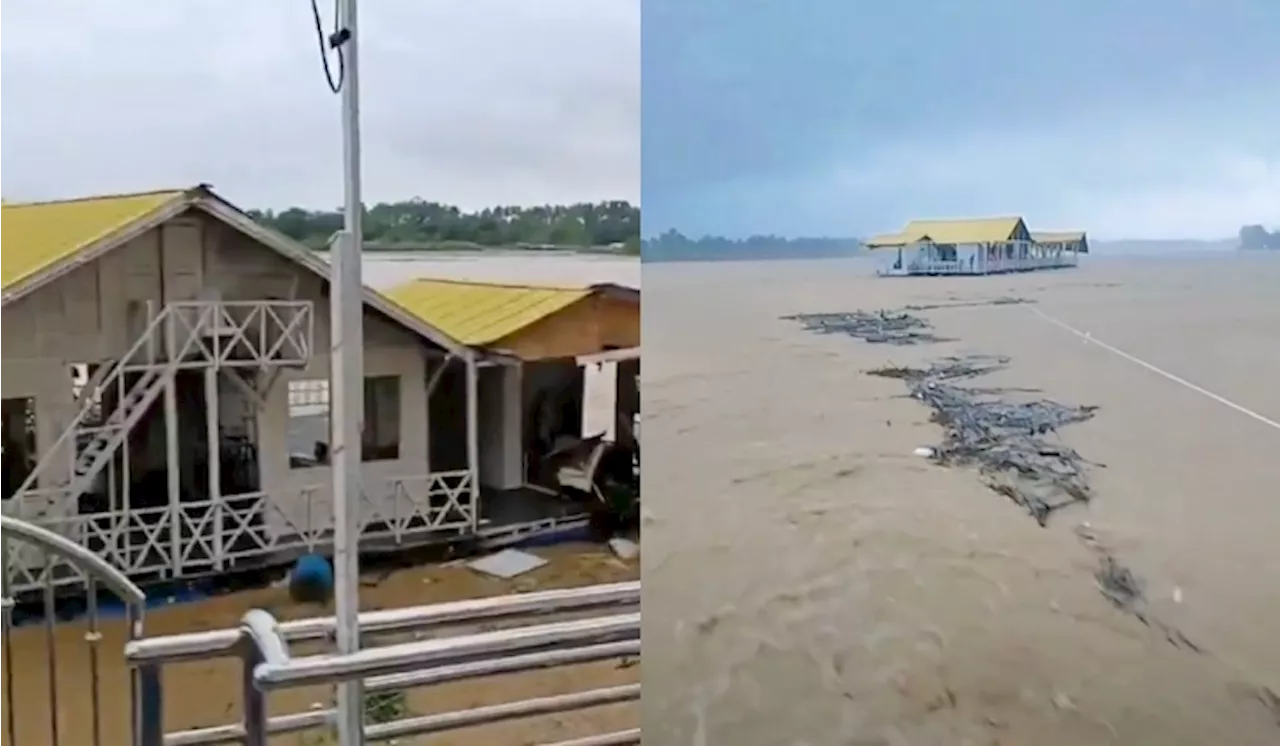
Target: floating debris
x=879 y=327
x=1125 y=591
x=1001 y=301
x=1118 y=584
x=1005 y=439
x=1269 y=700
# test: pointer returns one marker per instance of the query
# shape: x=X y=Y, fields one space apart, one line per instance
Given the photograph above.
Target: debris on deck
x=624 y=548
x=507 y=564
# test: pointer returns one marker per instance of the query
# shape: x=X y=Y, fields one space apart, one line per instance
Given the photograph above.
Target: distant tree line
x=675 y=246
x=417 y=224
x=1258 y=237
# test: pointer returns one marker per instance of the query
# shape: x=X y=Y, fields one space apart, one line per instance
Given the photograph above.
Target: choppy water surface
x=810 y=580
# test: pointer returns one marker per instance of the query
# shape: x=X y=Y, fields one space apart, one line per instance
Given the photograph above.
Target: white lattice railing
x=206 y=536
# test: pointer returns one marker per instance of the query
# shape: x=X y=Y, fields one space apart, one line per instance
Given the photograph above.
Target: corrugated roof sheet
x=966 y=231
x=38 y=235
x=1057 y=236
x=886 y=240
x=478 y=313
x=959 y=231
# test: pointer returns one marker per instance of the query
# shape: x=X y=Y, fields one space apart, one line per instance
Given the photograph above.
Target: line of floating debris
x=879 y=327
x=1001 y=301
x=1006 y=439
x=1125 y=590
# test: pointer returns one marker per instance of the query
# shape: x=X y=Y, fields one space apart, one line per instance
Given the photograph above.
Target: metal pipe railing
x=312 y=719
x=392 y=659
x=621 y=738
x=262 y=643
x=224 y=642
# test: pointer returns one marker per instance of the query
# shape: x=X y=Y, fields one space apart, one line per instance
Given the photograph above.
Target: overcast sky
x=1127 y=118
x=473 y=102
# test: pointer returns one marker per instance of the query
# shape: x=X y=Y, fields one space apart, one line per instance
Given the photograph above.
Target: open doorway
x=134 y=488
x=20 y=449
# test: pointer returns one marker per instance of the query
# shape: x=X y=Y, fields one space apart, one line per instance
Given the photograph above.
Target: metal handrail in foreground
x=97 y=574
x=263 y=646
x=78 y=556
x=223 y=642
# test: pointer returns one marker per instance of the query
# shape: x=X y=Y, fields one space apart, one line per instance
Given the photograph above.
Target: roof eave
x=615 y=290
x=94 y=251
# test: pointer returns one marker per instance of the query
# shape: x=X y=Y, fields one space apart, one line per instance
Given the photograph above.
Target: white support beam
x=473 y=435
x=173 y=469
x=214 y=457
x=434 y=377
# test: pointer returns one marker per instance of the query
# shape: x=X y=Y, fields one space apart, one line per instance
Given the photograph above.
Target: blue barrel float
x=311 y=580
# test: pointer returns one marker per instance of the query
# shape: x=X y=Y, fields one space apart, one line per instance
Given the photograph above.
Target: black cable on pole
x=333 y=41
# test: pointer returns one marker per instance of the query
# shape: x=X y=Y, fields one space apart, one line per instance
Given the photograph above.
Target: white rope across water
x=1089 y=338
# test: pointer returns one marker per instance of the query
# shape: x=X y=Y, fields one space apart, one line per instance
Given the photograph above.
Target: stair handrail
x=94 y=384
x=68 y=430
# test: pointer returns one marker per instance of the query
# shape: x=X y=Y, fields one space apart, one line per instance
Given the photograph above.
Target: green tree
x=675 y=246
x=417 y=224
x=1257 y=237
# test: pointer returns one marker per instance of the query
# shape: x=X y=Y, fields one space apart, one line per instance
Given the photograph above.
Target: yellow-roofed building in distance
x=1064 y=242
x=976 y=246
x=166 y=389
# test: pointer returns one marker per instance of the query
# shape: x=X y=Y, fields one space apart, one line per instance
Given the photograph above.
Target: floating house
x=165 y=391
x=981 y=246
x=1066 y=243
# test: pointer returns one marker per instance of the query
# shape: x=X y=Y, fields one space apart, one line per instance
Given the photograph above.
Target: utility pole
x=346 y=382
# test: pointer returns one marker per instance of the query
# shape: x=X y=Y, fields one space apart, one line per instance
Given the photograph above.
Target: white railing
x=243 y=333
x=991 y=266
x=263 y=644
x=202 y=537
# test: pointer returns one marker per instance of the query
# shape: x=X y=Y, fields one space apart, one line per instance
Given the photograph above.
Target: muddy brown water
x=809 y=580
x=206 y=693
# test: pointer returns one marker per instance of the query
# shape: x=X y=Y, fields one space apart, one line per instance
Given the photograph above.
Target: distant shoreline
x=693 y=258
x=464 y=247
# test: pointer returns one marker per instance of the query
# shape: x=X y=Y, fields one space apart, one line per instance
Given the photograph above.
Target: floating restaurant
x=982 y=246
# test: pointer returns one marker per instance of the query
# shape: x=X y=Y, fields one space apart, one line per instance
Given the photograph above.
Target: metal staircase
x=92 y=437
x=96 y=444
x=182 y=335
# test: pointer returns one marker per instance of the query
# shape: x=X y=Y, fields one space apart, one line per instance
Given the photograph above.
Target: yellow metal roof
x=39 y=235
x=885 y=240
x=1057 y=236
x=960 y=231
x=479 y=313
x=967 y=231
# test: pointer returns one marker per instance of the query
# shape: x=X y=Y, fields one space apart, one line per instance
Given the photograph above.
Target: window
x=309 y=423
x=19 y=453
x=381 y=438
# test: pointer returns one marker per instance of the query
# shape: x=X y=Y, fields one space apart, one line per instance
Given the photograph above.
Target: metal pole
x=347 y=386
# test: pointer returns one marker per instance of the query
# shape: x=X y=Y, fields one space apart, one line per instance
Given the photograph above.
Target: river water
x=809 y=580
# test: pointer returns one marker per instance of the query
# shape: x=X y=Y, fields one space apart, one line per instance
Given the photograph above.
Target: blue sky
x=1128 y=118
